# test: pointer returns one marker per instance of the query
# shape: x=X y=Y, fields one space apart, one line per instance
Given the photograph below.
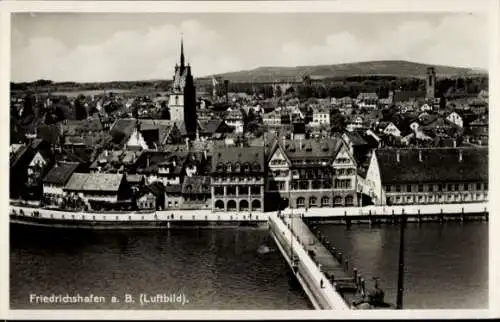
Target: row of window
x=246 y=167
x=308 y=185
x=236 y=179
x=325 y=201
x=343 y=184
x=438 y=198
x=241 y=190
x=436 y=187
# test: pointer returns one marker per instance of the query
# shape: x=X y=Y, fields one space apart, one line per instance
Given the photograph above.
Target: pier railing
x=393 y=210
x=316 y=281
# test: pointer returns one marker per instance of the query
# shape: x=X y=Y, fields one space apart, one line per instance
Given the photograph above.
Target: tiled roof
x=173 y=188
x=437 y=165
x=312 y=148
x=196 y=185
x=77 y=127
x=22 y=156
x=61 y=172
x=94 y=182
x=126 y=127
x=157 y=159
x=156 y=188
x=355 y=138
x=252 y=156
x=210 y=126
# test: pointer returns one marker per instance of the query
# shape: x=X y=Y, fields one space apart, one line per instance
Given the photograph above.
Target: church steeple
x=182 y=52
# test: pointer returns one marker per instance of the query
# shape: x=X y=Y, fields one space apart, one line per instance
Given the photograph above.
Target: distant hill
x=395 y=68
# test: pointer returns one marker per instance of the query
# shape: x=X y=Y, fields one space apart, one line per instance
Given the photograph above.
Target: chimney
x=460 y=155
x=420 y=155
x=398 y=157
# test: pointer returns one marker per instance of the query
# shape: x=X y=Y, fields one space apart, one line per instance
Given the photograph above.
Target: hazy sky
x=136 y=46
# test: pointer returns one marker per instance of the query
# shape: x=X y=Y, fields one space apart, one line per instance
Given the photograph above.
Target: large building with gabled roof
x=428 y=175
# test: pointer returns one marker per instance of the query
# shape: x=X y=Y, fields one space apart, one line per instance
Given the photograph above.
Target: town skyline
x=42 y=50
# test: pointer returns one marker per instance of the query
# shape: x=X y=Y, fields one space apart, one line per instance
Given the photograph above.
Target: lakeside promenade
x=88 y=219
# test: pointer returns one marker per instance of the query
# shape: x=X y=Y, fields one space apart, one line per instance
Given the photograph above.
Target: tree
x=80 y=110
x=337 y=123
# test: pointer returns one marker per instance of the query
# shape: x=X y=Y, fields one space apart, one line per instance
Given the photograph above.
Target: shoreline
x=206 y=219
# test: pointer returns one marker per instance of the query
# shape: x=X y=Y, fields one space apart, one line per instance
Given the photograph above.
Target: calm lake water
x=446 y=266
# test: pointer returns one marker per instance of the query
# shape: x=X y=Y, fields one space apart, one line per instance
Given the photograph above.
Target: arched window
x=301 y=202
x=256 y=205
x=312 y=201
x=349 y=201
x=231 y=205
x=337 y=201
x=219 y=205
x=244 y=206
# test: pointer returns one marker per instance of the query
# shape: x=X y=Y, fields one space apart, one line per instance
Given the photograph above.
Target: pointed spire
x=182 y=51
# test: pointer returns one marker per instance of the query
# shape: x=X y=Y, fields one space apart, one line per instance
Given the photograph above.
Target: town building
x=237 y=179
x=196 y=192
x=151 y=197
x=99 y=190
x=235 y=118
x=428 y=175
x=388 y=128
x=321 y=116
x=456 y=119
x=311 y=173
x=55 y=181
x=182 y=100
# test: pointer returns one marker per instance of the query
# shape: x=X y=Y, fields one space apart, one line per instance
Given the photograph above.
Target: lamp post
x=401 y=267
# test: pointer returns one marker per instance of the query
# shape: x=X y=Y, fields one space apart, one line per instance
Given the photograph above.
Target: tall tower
x=430 y=84
x=182 y=99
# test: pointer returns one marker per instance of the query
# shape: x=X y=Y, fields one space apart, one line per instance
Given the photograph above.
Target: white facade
x=392 y=129
x=320 y=118
x=279 y=171
x=38 y=160
x=53 y=189
x=238 y=125
x=425 y=108
x=456 y=119
x=137 y=140
x=373 y=182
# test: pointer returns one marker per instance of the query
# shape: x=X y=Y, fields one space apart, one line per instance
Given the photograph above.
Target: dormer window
x=220 y=167
x=256 y=167
x=228 y=167
x=246 y=167
x=237 y=167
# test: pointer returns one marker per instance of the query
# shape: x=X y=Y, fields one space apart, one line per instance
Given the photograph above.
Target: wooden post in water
x=401 y=267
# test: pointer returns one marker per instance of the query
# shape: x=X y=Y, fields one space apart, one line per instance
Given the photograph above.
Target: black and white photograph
x=232 y=159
